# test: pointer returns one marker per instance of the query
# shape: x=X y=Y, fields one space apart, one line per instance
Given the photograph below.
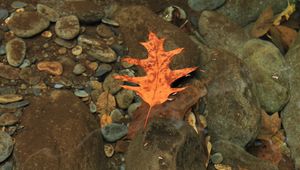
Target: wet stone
x=14 y=105
x=16 y=51
x=48 y=12
x=27 y=24
x=18 y=4
x=132 y=108
x=116 y=115
x=103 y=69
x=112 y=85
x=124 y=98
x=81 y=93
x=114 y=132
x=79 y=69
x=8 y=119
x=3 y=13
x=104 y=31
x=216 y=158
x=67 y=27
x=2 y=50
x=6 y=144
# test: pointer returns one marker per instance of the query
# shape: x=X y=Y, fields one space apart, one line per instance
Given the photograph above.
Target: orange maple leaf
x=155 y=87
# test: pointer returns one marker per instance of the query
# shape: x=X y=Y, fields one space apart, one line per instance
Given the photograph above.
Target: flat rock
x=7 y=119
x=245 y=11
x=200 y=5
x=27 y=24
x=219 y=31
x=97 y=49
x=268 y=70
x=16 y=51
x=59 y=138
x=232 y=107
x=237 y=158
x=47 y=12
x=291 y=113
x=167 y=144
x=67 y=27
x=133 y=18
x=114 y=132
x=86 y=11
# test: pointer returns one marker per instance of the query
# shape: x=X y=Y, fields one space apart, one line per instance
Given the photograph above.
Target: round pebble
x=58 y=86
x=67 y=27
x=109 y=150
x=62 y=50
x=124 y=98
x=79 y=69
x=16 y=51
x=18 y=4
x=93 y=107
x=3 y=14
x=6 y=146
x=132 y=108
x=35 y=23
x=114 y=132
x=47 y=12
x=104 y=31
x=111 y=84
x=81 y=93
x=93 y=66
x=217 y=158
x=116 y=115
x=47 y=34
x=77 y=50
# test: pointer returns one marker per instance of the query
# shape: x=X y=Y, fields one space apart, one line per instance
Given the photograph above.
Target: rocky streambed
x=62 y=108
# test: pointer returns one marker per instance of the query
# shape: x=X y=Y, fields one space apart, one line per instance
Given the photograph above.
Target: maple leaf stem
x=148 y=114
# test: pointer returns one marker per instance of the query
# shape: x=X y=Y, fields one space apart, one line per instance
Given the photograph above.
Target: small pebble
x=8 y=119
x=116 y=115
x=47 y=34
x=104 y=31
x=58 y=86
x=67 y=27
x=81 y=93
x=18 y=4
x=26 y=63
x=77 y=50
x=93 y=66
x=62 y=50
x=114 y=131
x=124 y=98
x=2 y=50
x=108 y=150
x=217 y=158
x=133 y=107
x=79 y=69
x=110 y=22
x=3 y=14
x=6 y=145
x=103 y=69
x=93 y=107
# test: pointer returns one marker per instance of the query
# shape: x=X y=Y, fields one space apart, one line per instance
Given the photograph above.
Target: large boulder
x=135 y=24
x=291 y=113
x=268 y=70
x=245 y=11
x=219 y=31
x=167 y=144
x=59 y=133
x=233 y=112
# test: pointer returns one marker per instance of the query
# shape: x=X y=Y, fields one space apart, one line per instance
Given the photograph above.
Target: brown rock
x=52 y=67
x=59 y=133
x=133 y=18
x=9 y=72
